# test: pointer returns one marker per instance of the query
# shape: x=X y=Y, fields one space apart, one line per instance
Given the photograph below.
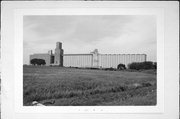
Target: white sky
x=110 y=34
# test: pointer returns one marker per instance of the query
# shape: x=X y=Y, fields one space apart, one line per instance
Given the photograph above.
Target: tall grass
x=70 y=86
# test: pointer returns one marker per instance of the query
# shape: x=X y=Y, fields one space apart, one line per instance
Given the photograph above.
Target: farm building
x=93 y=59
x=50 y=58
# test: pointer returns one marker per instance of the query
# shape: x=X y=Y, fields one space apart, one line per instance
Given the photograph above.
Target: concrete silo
x=58 y=55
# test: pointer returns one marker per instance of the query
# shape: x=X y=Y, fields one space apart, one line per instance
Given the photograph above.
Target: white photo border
x=170 y=83
x=18 y=59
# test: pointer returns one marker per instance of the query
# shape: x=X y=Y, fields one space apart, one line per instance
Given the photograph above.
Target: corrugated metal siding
x=104 y=60
x=112 y=60
x=77 y=60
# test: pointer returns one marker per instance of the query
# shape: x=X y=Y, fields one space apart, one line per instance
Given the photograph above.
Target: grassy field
x=86 y=87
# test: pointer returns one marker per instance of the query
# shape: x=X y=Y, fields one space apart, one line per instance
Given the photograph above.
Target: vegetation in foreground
x=87 y=87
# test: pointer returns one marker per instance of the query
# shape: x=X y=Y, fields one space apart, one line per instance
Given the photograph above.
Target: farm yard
x=88 y=87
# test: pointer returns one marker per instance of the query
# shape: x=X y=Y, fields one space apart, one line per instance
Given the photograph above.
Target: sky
x=110 y=34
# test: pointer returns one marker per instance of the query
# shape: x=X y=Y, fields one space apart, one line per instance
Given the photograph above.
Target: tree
x=33 y=61
x=155 y=65
x=121 y=66
x=38 y=61
x=141 y=65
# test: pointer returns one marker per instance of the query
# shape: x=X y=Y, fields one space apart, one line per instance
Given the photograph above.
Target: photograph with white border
x=86 y=79
x=66 y=49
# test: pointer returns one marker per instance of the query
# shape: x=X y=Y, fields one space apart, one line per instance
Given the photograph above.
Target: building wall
x=112 y=60
x=77 y=60
x=46 y=57
x=101 y=60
